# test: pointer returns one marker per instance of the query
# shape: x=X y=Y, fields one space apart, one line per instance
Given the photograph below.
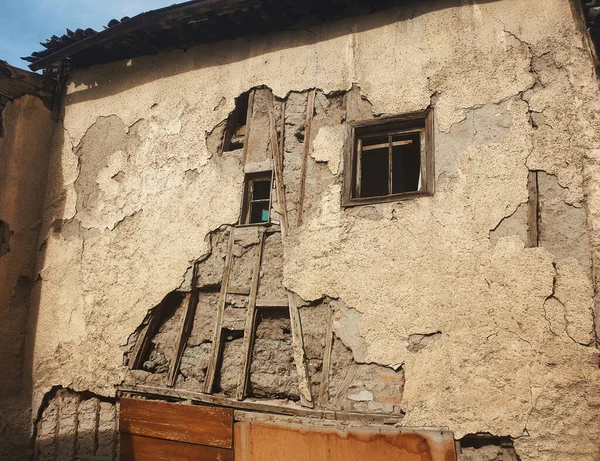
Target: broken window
x=257 y=198
x=391 y=159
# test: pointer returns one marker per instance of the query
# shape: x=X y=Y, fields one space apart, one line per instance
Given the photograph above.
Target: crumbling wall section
x=440 y=307
x=72 y=425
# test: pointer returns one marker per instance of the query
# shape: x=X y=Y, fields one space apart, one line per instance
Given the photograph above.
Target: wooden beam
x=277 y=166
x=325 y=368
x=533 y=238
x=140 y=350
x=289 y=409
x=243 y=291
x=304 y=386
x=297 y=339
x=187 y=323
x=249 y=113
x=310 y=109
x=339 y=395
x=250 y=330
x=149 y=18
x=272 y=304
x=215 y=349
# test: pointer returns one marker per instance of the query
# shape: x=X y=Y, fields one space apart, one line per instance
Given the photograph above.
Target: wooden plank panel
x=254 y=441
x=186 y=423
x=139 y=448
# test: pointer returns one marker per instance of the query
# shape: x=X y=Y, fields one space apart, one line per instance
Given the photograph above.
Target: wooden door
x=256 y=441
x=159 y=431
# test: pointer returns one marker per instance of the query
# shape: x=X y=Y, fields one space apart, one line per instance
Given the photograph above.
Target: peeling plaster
x=510 y=96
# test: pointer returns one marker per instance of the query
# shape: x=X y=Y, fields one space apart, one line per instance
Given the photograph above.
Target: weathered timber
x=250 y=330
x=202 y=425
x=139 y=448
x=281 y=408
x=215 y=350
x=310 y=109
x=187 y=323
x=533 y=210
x=248 y=118
x=296 y=327
x=325 y=369
x=341 y=392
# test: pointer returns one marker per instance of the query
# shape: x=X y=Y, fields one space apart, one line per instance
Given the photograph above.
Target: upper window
x=257 y=198
x=391 y=159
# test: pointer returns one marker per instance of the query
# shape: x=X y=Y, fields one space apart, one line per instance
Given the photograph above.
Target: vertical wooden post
x=215 y=349
x=310 y=109
x=277 y=166
x=250 y=330
x=248 y=118
x=532 y=210
x=297 y=339
x=187 y=323
x=324 y=389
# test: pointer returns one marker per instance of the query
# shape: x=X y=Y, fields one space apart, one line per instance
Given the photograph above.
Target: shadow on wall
x=137 y=72
x=24 y=166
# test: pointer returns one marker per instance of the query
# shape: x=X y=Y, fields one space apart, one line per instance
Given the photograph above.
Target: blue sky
x=25 y=23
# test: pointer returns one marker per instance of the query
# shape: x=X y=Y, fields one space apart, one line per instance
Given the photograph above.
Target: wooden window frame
x=421 y=122
x=247 y=201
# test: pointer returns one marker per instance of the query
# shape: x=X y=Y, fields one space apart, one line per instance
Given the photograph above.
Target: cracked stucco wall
x=24 y=148
x=133 y=192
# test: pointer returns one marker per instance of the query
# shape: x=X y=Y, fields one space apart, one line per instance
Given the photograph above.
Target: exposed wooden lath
x=186 y=24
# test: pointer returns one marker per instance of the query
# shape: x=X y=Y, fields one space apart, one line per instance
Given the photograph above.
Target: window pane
x=259 y=212
x=261 y=190
x=374 y=173
x=406 y=164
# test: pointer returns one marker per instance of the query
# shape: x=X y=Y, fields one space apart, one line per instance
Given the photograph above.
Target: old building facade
x=387 y=222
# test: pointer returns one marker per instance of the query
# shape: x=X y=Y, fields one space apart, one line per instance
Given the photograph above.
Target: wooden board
x=203 y=425
x=138 y=448
x=256 y=441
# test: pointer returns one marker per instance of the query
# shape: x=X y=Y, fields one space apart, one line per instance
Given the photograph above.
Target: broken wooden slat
x=277 y=166
x=140 y=349
x=250 y=330
x=310 y=109
x=187 y=323
x=248 y=118
x=203 y=425
x=215 y=349
x=139 y=448
x=244 y=291
x=324 y=389
x=304 y=386
x=532 y=210
x=272 y=304
x=341 y=392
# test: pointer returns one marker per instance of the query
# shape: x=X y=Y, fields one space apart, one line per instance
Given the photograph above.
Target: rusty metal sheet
x=259 y=441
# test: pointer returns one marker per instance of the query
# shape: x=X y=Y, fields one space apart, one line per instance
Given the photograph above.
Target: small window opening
x=391 y=159
x=235 y=130
x=257 y=198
